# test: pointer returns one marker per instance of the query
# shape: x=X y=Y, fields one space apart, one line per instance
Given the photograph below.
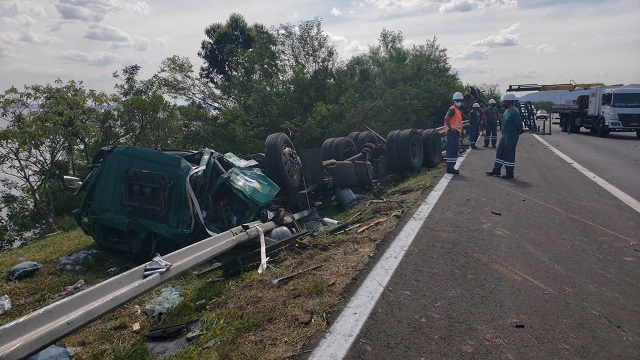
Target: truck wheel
x=563 y=125
x=432 y=148
x=342 y=148
x=353 y=135
x=326 y=149
x=283 y=163
x=638 y=134
x=365 y=137
x=391 y=152
x=410 y=150
x=602 y=130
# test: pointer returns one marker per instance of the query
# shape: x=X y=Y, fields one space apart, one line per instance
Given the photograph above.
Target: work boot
x=507 y=176
x=485 y=145
x=493 y=146
x=454 y=171
x=493 y=173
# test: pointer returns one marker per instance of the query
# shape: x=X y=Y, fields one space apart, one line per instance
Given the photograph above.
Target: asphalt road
x=545 y=266
x=615 y=158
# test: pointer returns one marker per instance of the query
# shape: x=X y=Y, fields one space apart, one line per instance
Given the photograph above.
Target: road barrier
x=37 y=330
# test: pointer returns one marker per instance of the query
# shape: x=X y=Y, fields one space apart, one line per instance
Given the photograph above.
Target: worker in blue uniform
x=491 y=124
x=452 y=130
x=512 y=127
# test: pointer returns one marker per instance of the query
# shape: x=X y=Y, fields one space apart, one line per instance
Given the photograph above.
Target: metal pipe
x=37 y=330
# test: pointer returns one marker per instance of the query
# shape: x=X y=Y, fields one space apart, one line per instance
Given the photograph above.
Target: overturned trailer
x=144 y=202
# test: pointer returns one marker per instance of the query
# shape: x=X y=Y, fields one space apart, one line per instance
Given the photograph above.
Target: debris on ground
x=377 y=221
x=55 y=352
x=23 y=269
x=5 y=304
x=157 y=265
x=327 y=221
x=135 y=327
x=496 y=213
x=288 y=277
x=168 y=298
x=76 y=260
x=170 y=341
x=70 y=290
x=214 y=266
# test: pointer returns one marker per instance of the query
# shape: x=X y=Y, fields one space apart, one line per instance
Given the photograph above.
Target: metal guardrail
x=37 y=330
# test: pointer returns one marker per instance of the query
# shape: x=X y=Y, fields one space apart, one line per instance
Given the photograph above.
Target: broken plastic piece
x=5 y=304
x=157 y=265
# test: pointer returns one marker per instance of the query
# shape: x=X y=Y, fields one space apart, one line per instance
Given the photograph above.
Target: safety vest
x=456 y=120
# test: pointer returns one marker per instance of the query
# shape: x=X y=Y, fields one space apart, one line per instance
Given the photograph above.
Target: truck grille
x=629 y=119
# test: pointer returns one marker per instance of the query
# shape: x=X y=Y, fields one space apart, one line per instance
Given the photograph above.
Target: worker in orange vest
x=452 y=130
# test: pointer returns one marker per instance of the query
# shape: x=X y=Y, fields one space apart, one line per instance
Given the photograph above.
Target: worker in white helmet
x=474 y=125
x=452 y=130
x=512 y=127
x=491 y=124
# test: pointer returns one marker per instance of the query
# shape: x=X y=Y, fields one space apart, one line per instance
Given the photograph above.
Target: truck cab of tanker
x=615 y=108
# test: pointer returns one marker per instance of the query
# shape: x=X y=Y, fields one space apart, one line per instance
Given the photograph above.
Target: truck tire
x=602 y=130
x=432 y=148
x=353 y=135
x=342 y=149
x=563 y=124
x=637 y=134
x=365 y=137
x=283 y=164
x=391 y=152
x=326 y=149
x=410 y=150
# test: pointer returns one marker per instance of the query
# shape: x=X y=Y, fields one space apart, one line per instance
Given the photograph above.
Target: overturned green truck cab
x=146 y=201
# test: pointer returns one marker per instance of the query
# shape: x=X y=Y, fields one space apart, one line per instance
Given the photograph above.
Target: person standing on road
x=512 y=127
x=452 y=130
x=491 y=124
x=474 y=125
x=482 y=119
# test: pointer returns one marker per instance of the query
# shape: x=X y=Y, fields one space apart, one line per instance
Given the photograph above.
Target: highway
x=545 y=266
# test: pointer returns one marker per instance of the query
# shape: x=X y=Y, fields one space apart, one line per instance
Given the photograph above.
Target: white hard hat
x=492 y=101
x=476 y=105
x=509 y=97
x=458 y=96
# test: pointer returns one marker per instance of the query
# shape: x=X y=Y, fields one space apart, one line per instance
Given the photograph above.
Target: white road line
x=345 y=329
x=633 y=203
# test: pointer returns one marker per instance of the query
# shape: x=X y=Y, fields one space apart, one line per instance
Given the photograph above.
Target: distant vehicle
x=542 y=115
x=606 y=109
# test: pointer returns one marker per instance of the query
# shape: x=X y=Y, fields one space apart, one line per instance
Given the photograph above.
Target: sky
x=488 y=41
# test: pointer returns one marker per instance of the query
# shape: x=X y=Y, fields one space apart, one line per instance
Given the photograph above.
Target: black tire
x=432 y=148
x=326 y=149
x=342 y=149
x=283 y=164
x=637 y=134
x=602 y=130
x=365 y=137
x=563 y=125
x=410 y=152
x=391 y=152
x=353 y=135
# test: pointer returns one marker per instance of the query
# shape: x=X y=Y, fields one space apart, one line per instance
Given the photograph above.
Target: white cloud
x=21 y=21
x=37 y=38
x=396 y=4
x=544 y=48
x=294 y=16
x=22 y=7
x=94 y=59
x=78 y=13
x=103 y=32
x=141 y=8
x=137 y=42
x=472 y=5
x=336 y=11
x=506 y=38
x=345 y=47
x=469 y=53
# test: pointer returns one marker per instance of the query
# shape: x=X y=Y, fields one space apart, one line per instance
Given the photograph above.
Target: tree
x=145 y=118
x=50 y=130
x=489 y=91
